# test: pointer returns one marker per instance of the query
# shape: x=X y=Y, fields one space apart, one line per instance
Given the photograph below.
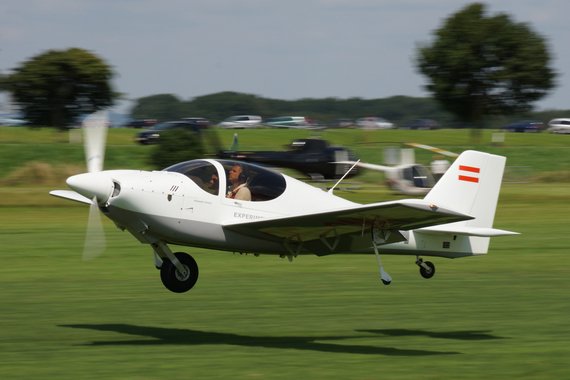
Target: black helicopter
x=313 y=157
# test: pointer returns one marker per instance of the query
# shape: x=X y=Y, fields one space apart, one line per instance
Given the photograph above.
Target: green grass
x=501 y=316
x=534 y=153
x=19 y=146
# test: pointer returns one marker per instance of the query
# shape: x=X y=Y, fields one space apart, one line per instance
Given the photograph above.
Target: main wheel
x=427 y=273
x=175 y=281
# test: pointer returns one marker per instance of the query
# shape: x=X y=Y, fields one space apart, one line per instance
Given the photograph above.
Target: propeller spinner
x=96 y=186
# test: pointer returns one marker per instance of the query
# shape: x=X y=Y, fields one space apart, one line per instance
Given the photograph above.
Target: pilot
x=238 y=184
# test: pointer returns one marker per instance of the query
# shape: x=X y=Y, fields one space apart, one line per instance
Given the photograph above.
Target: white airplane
x=180 y=205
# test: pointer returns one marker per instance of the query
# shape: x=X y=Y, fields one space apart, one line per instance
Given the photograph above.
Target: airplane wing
x=71 y=195
x=395 y=215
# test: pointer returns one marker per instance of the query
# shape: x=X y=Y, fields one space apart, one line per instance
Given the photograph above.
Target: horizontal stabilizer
x=465 y=230
x=71 y=195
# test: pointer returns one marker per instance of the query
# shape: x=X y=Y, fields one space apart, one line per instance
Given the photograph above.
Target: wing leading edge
x=396 y=215
x=71 y=195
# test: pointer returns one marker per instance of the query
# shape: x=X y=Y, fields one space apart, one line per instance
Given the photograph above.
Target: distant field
x=534 y=153
x=501 y=316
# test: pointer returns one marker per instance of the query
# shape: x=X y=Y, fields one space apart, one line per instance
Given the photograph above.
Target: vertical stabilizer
x=471 y=186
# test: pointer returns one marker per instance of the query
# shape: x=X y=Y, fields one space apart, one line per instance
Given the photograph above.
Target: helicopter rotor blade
x=433 y=149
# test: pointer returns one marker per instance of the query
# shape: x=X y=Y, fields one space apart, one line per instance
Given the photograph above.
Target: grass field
x=501 y=316
x=538 y=153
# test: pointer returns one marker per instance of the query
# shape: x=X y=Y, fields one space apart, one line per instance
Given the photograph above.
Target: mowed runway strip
x=499 y=316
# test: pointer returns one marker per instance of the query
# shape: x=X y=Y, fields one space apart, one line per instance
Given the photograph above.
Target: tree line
x=218 y=106
x=400 y=110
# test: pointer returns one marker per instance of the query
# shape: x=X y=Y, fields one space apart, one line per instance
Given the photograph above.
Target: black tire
x=427 y=273
x=171 y=277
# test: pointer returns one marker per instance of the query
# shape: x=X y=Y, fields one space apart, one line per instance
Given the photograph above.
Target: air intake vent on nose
x=116 y=189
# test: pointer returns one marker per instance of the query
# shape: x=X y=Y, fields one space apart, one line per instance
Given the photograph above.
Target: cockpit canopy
x=264 y=184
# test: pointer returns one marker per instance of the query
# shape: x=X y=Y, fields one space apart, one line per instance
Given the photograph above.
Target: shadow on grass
x=171 y=336
x=457 y=335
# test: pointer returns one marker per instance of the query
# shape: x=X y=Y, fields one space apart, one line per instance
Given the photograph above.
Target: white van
x=241 y=122
x=559 y=126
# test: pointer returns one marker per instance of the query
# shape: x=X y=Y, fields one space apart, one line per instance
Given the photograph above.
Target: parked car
x=559 y=126
x=12 y=122
x=342 y=123
x=141 y=123
x=422 y=124
x=152 y=135
x=199 y=122
x=373 y=122
x=525 y=126
x=288 y=122
x=241 y=122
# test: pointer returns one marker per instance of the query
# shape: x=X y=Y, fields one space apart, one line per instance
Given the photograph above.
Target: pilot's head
x=236 y=174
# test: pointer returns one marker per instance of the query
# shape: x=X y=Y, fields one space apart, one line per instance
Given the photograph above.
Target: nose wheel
x=179 y=278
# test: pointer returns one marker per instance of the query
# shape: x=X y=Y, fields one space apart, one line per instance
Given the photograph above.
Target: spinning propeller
x=97 y=189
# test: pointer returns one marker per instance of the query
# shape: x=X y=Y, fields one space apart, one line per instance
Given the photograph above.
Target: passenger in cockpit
x=213 y=184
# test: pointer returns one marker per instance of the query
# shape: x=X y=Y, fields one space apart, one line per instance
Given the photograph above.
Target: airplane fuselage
x=170 y=207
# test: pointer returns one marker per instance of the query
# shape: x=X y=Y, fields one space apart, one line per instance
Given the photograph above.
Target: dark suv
x=426 y=124
x=141 y=123
x=525 y=126
x=152 y=135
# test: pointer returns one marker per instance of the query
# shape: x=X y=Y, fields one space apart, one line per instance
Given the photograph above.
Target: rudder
x=471 y=186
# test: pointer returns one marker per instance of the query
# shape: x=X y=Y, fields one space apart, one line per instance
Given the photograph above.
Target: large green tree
x=55 y=87
x=479 y=65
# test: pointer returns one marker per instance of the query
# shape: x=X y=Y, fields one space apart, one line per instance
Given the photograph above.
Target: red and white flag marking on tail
x=469 y=173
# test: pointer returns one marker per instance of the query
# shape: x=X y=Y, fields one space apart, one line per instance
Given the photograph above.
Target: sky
x=276 y=49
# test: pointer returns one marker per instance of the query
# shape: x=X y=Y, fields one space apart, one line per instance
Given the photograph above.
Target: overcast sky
x=279 y=49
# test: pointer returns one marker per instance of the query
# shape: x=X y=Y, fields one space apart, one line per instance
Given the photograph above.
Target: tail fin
x=470 y=186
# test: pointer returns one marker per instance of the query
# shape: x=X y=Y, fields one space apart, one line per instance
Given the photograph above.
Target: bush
x=40 y=173
x=175 y=146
